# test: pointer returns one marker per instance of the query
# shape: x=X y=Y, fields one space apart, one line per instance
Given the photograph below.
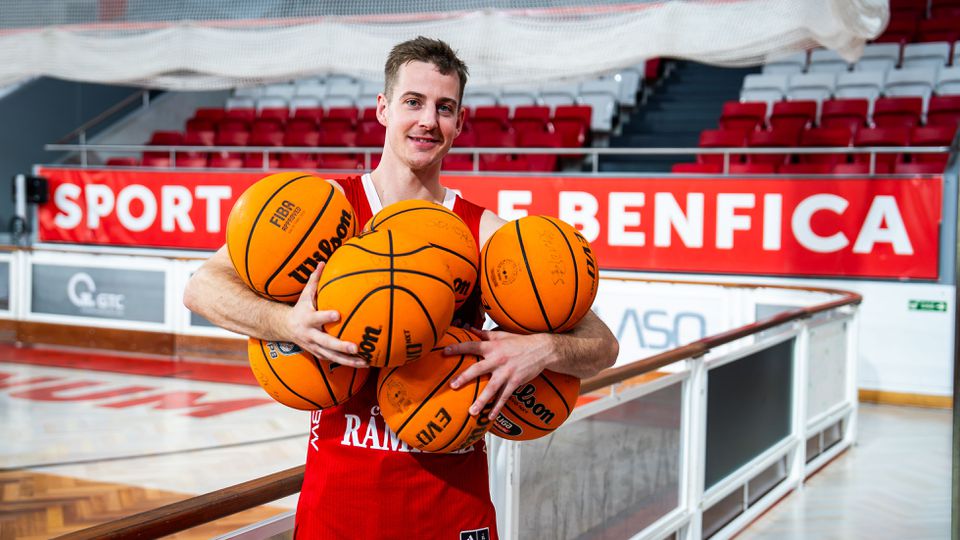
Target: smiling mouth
x=424 y=139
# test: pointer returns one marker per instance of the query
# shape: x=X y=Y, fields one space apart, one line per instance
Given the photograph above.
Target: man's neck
x=396 y=182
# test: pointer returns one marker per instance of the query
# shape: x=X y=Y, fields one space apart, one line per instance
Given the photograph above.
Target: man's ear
x=381 y=109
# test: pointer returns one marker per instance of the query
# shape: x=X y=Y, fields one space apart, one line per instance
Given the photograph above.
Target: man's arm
x=216 y=292
x=513 y=359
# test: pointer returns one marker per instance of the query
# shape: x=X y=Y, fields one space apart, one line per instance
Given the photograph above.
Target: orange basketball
x=298 y=379
x=444 y=230
x=416 y=400
x=537 y=407
x=281 y=227
x=393 y=294
x=538 y=275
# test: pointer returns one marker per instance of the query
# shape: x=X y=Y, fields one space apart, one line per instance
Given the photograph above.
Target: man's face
x=422 y=116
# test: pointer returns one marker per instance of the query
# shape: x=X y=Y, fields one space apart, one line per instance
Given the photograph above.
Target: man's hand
x=510 y=359
x=305 y=325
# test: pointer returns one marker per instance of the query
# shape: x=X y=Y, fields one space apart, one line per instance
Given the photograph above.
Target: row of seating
x=934 y=136
x=808 y=168
x=915 y=22
x=923 y=82
x=253 y=160
x=882 y=56
x=850 y=114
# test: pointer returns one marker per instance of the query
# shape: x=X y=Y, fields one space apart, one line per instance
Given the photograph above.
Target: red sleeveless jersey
x=362 y=482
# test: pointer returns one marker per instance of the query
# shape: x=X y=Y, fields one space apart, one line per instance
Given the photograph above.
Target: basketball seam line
x=466 y=421
x=427 y=398
x=376 y=270
x=557 y=390
x=266 y=358
x=404 y=254
x=246 y=250
x=333 y=395
x=576 y=274
x=303 y=238
x=520 y=418
x=433 y=325
x=390 y=311
x=486 y=278
x=536 y=293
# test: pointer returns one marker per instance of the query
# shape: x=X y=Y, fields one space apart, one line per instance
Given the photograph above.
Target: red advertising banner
x=878 y=227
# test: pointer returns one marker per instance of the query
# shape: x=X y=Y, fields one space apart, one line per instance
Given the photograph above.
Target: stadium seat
x=347 y=89
x=932 y=136
x=944 y=111
x=214 y=114
x=155 y=159
x=122 y=162
x=480 y=96
x=720 y=138
x=918 y=168
x=513 y=96
x=531 y=118
x=457 y=162
x=631 y=82
x=881 y=136
x=199 y=138
x=337 y=138
x=302 y=124
x=811 y=86
x=369 y=90
x=899 y=111
x=294 y=161
x=491 y=118
x=572 y=132
x=503 y=163
x=824 y=138
x=191 y=161
x=576 y=113
x=248 y=91
x=495 y=138
x=602 y=96
x=540 y=139
x=370 y=133
x=786 y=65
x=266 y=125
x=860 y=84
x=948 y=80
x=303 y=102
x=309 y=91
x=805 y=168
x=879 y=57
x=850 y=114
x=770 y=139
x=166 y=138
x=301 y=138
x=271 y=102
x=232 y=138
x=240 y=103
x=697 y=168
x=752 y=168
x=898 y=31
x=282 y=91
x=270 y=113
x=862 y=168
x=827 y=61
x=926 y=55
x=555 y=95
x=745 y=117
x=311 y=113
x=793 y=116
x=225 y=162
x=347 y=115
x=340 y=162
x=762 y=87
x=201 y=124
x=911 y=82
x=931 y=30
x=265 y=138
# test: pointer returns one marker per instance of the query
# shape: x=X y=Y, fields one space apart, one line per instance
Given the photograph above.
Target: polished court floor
x=91 y=437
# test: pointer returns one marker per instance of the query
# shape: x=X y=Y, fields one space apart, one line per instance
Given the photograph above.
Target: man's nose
x=428 y=117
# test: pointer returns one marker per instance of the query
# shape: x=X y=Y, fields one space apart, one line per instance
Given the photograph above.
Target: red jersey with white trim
x=361 y=481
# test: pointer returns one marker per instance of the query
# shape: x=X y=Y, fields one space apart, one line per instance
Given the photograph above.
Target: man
x=360 y=481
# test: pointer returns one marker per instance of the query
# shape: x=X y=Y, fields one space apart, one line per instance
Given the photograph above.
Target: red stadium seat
x=932 y=136
x=370 y=113
x=232 y=138
x=293 y=161
x=850 y=114
x=494 y=118
x=889 y=136
x=340 y=161
x=266 y=125
x=370 y=133
x=254 y=160
x=793 y=116
x=770 y=139
x=337 y=138
x=191 y=161
x=166 y=138
x=233 y=124
x=266 y=138
x=155 y=159
x=201 y=124
x=899 y=30
x=210 y=113
x=225 y=162
x=753 y=168
x=199 y=138
x=503 y=163
x=301 y=124
x=122 y=162
x=247 y=115
x=495 y=139
x=466 y=139
x=697 y=168
x=944 y=111
x=938 y=29
x=897 y=112
x=313 y=113
x=280 y=114
x=540 y=139
x=805 y=168
x=862 y=168
x=824 y=138
x=457 y=162
x=743 y=116
x=340 y=118
x=918 y=168
x=531 y=118
x=573 y=133
x=720 y=138
x=577 y=113
x=301 y=138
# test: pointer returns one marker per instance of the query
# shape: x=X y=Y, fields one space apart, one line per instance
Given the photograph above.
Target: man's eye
x=412 y=102
x=446 y=109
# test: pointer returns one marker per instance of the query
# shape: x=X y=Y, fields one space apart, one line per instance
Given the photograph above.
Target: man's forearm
x=586 y=350
x=217 y=293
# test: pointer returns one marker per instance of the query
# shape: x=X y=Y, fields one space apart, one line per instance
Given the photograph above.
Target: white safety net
x=211 y=44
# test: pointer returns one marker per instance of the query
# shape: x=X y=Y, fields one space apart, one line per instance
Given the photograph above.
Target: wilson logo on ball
x=325 y=249
x=527 y=397
x=368 y=344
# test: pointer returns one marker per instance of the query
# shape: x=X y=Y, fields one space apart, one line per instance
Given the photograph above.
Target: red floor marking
x=172 y=368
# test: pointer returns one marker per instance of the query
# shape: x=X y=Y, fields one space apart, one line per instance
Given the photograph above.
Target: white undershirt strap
x=449 y=195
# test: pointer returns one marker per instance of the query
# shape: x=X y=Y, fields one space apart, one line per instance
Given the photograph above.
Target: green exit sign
x=928 y=305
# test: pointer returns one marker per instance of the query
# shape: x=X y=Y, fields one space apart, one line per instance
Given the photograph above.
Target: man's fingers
x=321 y=318
x=467 y=347
x=472 y=373
x=310 y=289
x=505 y=394
x=489 y=392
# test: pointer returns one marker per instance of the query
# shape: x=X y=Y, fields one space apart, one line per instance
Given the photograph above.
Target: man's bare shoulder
x=489 y=224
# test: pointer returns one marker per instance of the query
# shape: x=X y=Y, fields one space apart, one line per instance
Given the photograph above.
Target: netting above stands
x=197 y=45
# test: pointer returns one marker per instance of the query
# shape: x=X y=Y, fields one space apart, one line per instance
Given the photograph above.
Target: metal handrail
x=80 y=132
x=182 y=515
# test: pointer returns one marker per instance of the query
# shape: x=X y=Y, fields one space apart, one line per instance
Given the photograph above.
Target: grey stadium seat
x=879 y=56
x=313 y=90
x=240 y=103
x=860 y=84
x=480 y=96
x=911 y=82
x=948 y=82
x=811 y=86
x=827 y=61
x=285 y=91
x=515 y=95
x=554 y=94
x=304 y=102
x=786 y=65
x=918 y=55
x=763 y=87
x=271 y=102
x=603 y=96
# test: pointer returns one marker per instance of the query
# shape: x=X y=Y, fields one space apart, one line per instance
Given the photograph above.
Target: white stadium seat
x=911 y=82
x=514 y=96
x=948 y=82
x=480 y=96
x=603 y=96
x=827 y=61
x=787 y=65
x=811 y=86
x=555 y=94
x=860 y=84
x=304 y=102
x=271 y=102
x=285 y=91
x=918 y=55
x=879 y=56
x=763 y=87
x=313 y=90
x=240 y=103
